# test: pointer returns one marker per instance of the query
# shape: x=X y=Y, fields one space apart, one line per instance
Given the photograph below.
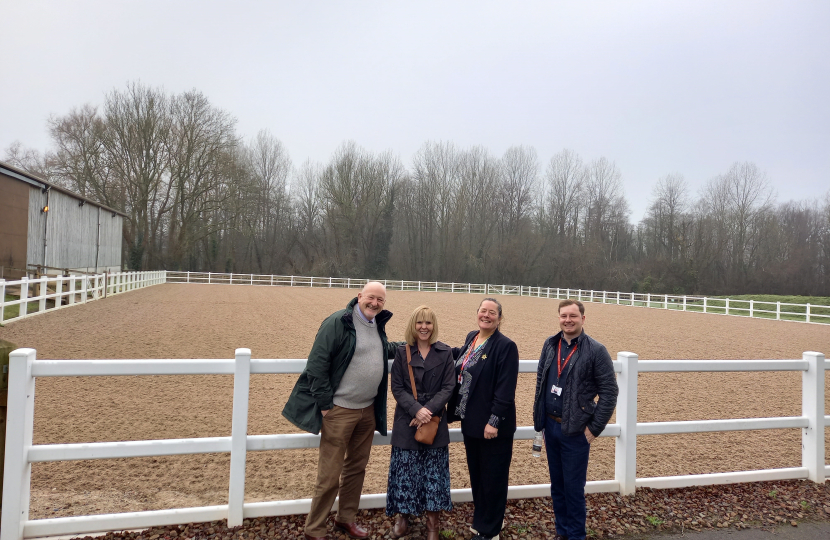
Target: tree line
x=198 y=197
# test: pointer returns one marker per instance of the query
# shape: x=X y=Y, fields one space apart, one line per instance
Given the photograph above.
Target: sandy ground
x=210 y=321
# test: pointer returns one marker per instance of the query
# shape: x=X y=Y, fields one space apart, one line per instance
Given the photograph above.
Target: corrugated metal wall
x=72 y=237
x=112 y=236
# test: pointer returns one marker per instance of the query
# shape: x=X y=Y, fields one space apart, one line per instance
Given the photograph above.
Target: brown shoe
x=433 y=526
x=307 y=537
x=352 y=530
x=401 y=526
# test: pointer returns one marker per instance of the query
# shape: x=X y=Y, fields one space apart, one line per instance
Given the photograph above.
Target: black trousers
x=488 y=461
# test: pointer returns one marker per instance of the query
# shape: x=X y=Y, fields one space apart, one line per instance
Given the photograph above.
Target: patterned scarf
x=466 y=376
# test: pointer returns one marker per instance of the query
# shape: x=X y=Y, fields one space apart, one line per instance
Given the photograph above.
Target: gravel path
x=796 y=510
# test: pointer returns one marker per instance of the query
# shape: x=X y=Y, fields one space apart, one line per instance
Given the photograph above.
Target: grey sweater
x=360 y=382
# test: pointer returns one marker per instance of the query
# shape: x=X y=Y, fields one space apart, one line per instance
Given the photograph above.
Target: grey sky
x=657 y=87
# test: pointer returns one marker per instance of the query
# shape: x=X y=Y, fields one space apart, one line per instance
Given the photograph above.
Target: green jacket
x=327 y=362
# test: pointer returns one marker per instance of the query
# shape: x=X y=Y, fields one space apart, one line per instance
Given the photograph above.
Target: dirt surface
x=210 y=321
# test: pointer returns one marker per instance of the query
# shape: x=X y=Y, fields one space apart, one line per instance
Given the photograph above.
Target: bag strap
x=411 y=375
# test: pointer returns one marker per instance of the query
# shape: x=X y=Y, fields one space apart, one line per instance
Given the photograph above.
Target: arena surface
x=210 y=321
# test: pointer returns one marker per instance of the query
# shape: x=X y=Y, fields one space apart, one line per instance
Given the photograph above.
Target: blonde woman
x=419 y=474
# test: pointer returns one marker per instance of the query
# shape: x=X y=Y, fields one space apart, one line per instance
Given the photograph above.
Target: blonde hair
x=421 y=313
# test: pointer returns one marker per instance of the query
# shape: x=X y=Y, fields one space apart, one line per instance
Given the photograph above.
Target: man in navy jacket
x=574 y=370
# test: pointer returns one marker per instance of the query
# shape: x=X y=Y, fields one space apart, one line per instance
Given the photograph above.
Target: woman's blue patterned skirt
x=419 y=480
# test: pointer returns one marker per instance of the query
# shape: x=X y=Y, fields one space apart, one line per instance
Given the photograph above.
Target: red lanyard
x=559 y=365
x=469 y=352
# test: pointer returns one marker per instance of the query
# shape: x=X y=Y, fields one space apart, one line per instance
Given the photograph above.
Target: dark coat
x=435 y=382
x=591 y=374
x=493 y=388
x=327 y=362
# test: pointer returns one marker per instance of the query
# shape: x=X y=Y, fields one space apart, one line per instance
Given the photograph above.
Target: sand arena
x=210 y=321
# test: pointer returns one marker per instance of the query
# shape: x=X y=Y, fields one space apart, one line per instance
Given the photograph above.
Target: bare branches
x=199 y=198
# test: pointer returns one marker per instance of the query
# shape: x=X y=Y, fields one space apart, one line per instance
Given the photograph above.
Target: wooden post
x=239 y=436
x=625 y=450
x=17 y=475
x=812 y=406
x=43 y=289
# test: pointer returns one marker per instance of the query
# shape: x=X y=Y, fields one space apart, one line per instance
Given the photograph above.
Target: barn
x=46 y=229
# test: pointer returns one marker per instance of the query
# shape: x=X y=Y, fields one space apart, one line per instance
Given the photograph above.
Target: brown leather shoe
x=401 y=527
x=352 y=530
x=433 y=526
x=307 y=537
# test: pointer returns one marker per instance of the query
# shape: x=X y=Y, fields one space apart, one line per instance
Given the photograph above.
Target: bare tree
x=566 y=179
x=669 y=202
x=136 y=135
x=28 y=159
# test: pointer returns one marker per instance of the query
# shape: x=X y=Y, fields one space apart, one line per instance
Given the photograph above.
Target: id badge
x=556 y=390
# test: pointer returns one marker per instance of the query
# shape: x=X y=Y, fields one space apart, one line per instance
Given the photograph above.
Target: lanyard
x=471 y=351
x=559 y=365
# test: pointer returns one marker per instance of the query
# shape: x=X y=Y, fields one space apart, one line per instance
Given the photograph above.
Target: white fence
x=46 y=293
x=702 y=304
x=21 y=453
x=35 y=296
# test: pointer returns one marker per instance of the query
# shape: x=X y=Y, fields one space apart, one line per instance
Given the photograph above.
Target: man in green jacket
x=342 y=393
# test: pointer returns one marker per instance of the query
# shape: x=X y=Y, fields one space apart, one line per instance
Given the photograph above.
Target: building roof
x=39 y=182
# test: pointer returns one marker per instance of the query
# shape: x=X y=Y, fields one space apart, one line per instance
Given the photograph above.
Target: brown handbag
x=425 y=434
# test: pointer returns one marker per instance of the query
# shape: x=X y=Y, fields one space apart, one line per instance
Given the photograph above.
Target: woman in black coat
x=487 y=370
x=419 y=474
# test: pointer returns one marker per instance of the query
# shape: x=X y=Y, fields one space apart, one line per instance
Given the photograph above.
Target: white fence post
x=812 y=406
x=239 y=436
x=778 y=311
x=24 y=294
x=625 y=453
x=41 y=305
x=727 y=306
x=83 y=289
x=17 y=474
x=2 y=299
x=751 y=306
x=808 y=312
x=704 y=304
x=684 y=302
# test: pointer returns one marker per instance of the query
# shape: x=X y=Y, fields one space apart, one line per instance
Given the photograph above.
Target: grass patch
x=654 y=520
x=10 y=312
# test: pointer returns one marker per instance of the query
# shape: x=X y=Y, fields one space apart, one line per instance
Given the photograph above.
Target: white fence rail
x=702 y=304
x=34 y=296
x=21 y=453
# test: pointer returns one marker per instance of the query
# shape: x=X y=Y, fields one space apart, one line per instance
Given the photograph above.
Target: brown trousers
x=345 y=444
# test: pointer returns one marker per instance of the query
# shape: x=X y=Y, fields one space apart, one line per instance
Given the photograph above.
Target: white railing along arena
x=70 y=290
x=21 y=453
x=700 y=304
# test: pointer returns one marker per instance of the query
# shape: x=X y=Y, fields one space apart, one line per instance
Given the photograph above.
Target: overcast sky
x=657 y=87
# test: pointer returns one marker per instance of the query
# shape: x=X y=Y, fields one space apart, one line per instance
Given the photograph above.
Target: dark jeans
x=488 y=461
x=568 y=464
